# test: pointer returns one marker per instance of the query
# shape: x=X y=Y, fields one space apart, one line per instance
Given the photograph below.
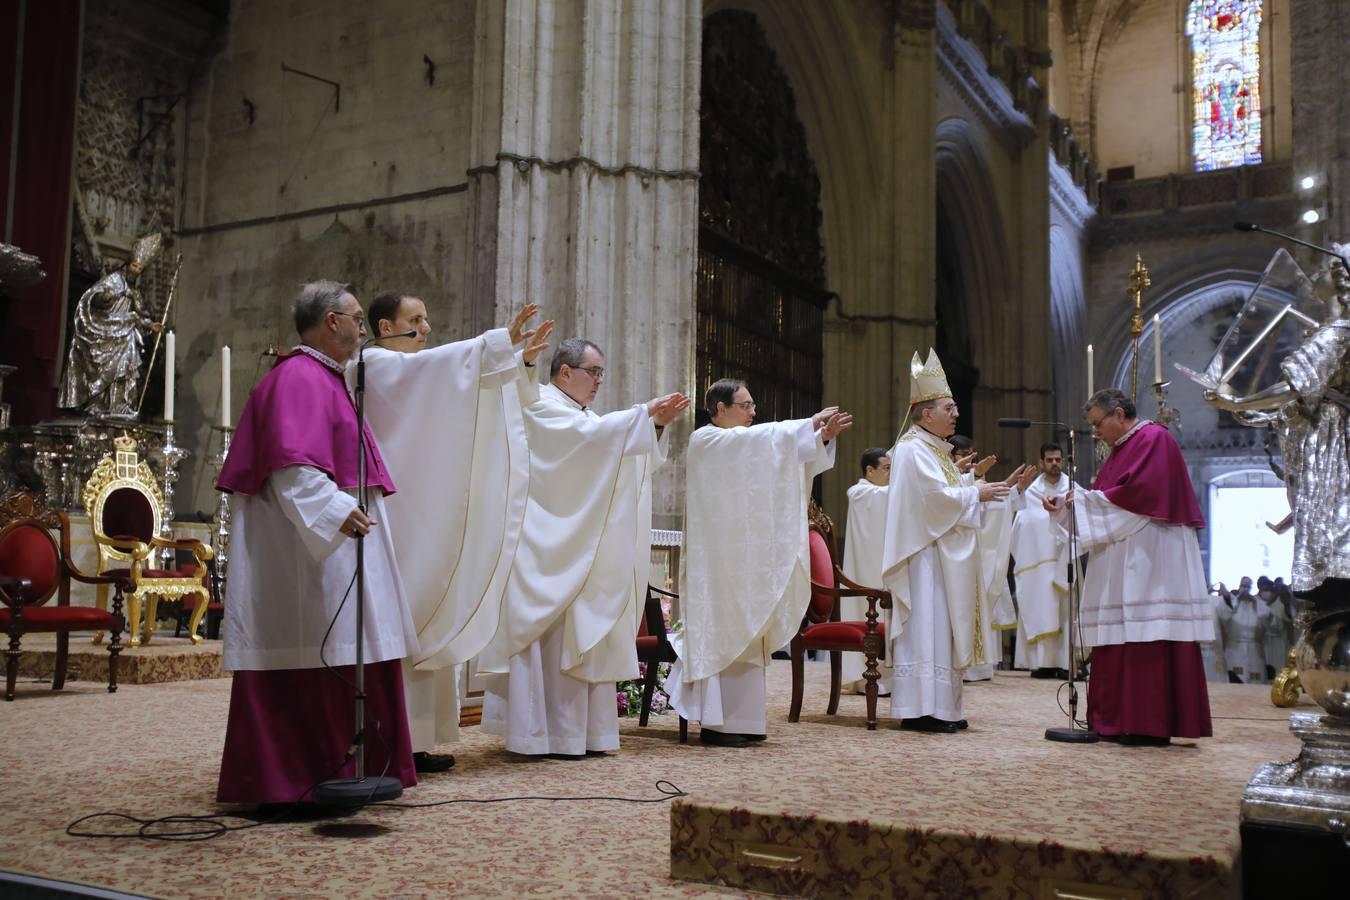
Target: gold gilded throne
x=125 y=509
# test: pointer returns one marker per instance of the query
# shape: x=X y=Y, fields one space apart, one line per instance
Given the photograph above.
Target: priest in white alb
x=941 y=617
x=747 y=564
x=861 y=563
x=569 y=619
x=449 y=422
x=1040 y=568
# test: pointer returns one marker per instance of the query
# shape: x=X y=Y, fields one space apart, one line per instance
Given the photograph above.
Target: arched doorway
x=761 y=268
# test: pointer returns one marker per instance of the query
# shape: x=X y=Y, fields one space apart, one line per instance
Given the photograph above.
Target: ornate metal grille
x=761 y=269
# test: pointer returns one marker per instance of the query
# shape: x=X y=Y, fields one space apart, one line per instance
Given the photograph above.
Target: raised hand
x=1023 y=477
x=820 y=418
x=985 y=465
x=992 y=490
x=517 y=326
x=663 y=410
x=965 y=461
x=538 y=341
x=840 y=421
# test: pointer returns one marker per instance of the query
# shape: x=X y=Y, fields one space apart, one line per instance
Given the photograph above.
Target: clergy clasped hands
x=830 y=421
x=1054 y=503
x=664 y=410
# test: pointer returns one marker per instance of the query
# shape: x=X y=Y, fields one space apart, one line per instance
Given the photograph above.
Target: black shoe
x=780 y=654
x=429 y=763
x=962 y=725
x=754 y=738
x=722 y=739
x=1144 y=740
x=1046 y=672
x=565 y=757
x=929 y=724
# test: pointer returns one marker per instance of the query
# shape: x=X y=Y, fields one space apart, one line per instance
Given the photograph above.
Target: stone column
x=584 y=186
x=1321 y=90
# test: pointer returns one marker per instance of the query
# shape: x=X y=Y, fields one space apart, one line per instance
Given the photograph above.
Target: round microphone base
x=358 y=791
x=1072 y=735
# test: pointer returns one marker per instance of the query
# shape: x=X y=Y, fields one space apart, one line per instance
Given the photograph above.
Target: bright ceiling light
x=1307 y=183
x=1311 y=217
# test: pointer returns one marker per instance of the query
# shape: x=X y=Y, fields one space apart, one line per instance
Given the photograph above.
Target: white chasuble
x=291 y=570
x=449 y=423
x=747 y=560
x=862 y=564
x=585 y=546
x=1145 y=581
x=929 y=508
x=1040 y=567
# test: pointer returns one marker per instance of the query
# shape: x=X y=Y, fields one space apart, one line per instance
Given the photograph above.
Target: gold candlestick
x=1138 y=281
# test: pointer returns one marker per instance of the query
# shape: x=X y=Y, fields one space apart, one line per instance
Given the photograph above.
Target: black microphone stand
x=360 y=790
x=1073 y=734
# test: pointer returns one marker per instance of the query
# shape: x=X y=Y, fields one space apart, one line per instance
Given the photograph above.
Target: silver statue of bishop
x=103 y=370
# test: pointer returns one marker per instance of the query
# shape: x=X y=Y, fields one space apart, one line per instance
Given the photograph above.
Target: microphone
x=1014 y=423
x=411 y=332
x=1252 y=226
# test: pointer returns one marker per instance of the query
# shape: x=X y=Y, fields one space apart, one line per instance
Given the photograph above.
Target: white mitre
x=927 y=381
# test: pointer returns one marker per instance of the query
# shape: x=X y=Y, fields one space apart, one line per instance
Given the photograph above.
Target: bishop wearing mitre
x=568 y=627
x=941 y=617
x=747 y=561
x=455 y=531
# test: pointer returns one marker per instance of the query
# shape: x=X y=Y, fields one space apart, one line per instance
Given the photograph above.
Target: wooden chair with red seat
x=33 y=568
x=215 y=609
x=654 y=648
x=125 y=509
x=822 y=629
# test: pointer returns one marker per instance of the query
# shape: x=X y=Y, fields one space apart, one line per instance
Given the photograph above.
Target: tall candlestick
x=169 y=348
x=225 y=387
x=1090 y=391
x=1157 y=349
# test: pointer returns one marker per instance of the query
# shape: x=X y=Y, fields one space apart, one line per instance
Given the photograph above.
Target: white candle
x=168 y=376
x=1090 y=391
x=1157 y=349
x=225 y=387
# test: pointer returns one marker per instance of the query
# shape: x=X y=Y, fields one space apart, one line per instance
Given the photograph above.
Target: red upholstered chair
x=215 y=609
x=33 y=568
x=654 y=648
x=822 y=630
x=125 y=509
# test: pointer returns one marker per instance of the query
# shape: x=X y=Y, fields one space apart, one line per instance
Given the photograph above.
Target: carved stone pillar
x=584 y=186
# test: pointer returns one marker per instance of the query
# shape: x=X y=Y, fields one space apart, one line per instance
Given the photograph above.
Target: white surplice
x=291 y=569
x=1244 y=638
x=576 y=592
x=940 y=621
x=1040 y=568
x=995 y=540
x=449 y=425
x=1145 y=581
x=862 y=564
x=747 y=565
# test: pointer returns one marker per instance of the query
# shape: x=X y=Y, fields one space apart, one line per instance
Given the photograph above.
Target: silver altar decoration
x=18 y=270
x=103 y=367
x=1168 y=417
x=1285 y=364
x=172 y=455
x=222 y=522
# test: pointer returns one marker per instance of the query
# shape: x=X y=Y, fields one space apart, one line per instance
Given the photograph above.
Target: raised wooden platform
x=166 y=658
x=993 y=811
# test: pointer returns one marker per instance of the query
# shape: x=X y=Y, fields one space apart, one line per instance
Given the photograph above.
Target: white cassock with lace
x=569 y=619
x=747 y=566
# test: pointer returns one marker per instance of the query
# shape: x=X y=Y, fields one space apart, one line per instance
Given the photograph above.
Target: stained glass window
x=1225 y=82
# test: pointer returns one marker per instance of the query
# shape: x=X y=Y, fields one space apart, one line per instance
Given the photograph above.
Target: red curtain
x=47 y=34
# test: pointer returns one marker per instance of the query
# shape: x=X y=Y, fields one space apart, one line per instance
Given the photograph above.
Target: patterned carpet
x=152 y=750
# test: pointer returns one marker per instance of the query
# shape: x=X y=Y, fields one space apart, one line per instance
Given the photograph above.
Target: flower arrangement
x=629 y=693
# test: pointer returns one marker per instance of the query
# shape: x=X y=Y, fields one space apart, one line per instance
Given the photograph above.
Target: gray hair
x=1108 y=400
x=570 y=353
x=315 y=301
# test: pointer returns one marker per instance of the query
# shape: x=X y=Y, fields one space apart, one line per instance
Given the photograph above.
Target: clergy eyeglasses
x=596 y=372
x=359 y=317
x=747 y=405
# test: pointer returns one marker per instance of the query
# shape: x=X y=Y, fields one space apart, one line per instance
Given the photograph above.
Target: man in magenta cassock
x=293 y=470
x=1145 y=602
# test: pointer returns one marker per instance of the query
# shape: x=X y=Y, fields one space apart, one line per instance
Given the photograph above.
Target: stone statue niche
x=103 y=365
